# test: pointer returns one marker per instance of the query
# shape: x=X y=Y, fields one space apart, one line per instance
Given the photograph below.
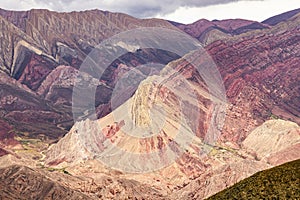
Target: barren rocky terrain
x=175 y=134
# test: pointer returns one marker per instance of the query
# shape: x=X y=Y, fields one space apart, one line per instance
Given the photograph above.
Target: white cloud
x=185 y=11
x=138 y=8
x=252 y=10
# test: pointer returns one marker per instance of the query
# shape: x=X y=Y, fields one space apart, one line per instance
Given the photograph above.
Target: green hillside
x=282 y=182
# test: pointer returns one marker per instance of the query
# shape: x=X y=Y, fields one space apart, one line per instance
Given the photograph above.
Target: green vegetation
x=62 y=170
x=282 y=182
x=272 y=116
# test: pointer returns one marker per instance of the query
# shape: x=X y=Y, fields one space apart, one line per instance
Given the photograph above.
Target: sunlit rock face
x=274 y=141
x=152 y=128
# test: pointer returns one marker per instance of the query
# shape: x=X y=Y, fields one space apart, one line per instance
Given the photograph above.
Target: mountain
x=281 y=17
x=260 y=73
x=279 y=182
x=35 y=43
x=43 y=50
x=209 y=31
x=184 y=126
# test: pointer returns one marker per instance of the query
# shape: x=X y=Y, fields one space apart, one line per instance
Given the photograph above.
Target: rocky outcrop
x=25 y=111
x=7 y=136
x=20 y=182
x=152 y=120
x=260 y=73
x=273 y=139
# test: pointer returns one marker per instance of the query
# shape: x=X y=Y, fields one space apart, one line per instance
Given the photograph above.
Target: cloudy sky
x=185 y=11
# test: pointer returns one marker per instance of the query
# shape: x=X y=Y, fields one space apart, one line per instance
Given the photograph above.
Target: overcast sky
x=184 y=11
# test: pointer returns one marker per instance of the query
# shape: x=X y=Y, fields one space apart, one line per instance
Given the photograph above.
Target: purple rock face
x=281 y=18
x=38 y=41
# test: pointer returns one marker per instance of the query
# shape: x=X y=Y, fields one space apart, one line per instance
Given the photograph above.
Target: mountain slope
x=209 y=31
x=34 y=43
x=280 y=182
x=19 y=182
x=20 y=107
x=281 y=17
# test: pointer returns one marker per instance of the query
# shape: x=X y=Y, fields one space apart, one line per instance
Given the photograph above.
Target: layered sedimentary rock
x=260 y=72
x=150 y=118
x=67 y=37
x=19 y=182
x=209 y=31
x=7 y=136
x=169 y=127
x=281 y=17
x=25 y=111
x=34 y=43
